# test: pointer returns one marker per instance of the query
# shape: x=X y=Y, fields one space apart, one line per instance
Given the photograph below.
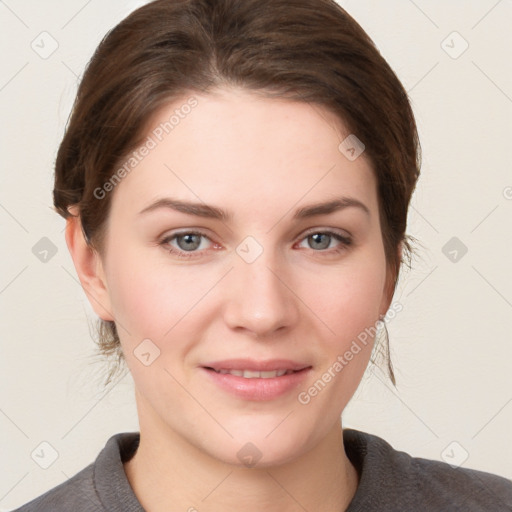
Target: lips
x=250 y=374
x=250 y=368
x=257 y=380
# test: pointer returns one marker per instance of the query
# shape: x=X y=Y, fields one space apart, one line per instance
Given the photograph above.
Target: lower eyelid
x=342 y=239
x=169 y=239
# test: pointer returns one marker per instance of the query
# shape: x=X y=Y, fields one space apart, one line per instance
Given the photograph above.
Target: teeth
x=250 y=374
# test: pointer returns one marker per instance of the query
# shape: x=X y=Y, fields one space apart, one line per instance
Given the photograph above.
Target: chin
x=260 y=447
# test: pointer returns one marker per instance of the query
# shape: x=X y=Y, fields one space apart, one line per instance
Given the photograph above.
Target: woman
x=236 y=177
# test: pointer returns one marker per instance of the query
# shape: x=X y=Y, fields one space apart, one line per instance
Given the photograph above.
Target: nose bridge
x=259 y=300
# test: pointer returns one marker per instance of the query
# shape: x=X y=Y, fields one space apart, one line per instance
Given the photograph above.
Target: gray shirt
x=389 y=481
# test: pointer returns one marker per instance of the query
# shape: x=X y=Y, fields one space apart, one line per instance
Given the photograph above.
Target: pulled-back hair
x=305 y=50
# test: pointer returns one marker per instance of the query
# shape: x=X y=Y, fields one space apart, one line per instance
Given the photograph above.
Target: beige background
x=451 y=344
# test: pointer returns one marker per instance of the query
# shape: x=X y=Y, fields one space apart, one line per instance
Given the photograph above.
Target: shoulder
x=74 y=492
x=394 y=480
x=100 y=486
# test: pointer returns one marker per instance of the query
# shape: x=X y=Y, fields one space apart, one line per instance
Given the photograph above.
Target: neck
x=168 y=473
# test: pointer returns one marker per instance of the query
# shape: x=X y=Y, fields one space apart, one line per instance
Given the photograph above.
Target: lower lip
x=258 y=389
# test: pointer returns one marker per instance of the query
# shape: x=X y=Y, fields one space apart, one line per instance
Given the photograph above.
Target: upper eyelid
x=343 y=234
x=309 y=231
x=337 y=231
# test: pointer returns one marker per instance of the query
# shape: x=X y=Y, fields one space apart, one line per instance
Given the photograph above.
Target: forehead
x=236 y=145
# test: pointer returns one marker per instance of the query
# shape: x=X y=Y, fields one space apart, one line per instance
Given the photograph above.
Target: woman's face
x=268 y=280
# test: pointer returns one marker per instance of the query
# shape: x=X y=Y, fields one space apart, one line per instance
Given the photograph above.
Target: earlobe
x=400 y=250
x=89 y=268
x=388 y=292
x=391 y=278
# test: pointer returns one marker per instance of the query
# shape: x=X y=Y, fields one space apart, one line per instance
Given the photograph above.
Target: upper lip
x=253 y=365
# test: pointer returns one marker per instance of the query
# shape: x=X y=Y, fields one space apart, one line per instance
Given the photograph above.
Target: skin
x=260 y=159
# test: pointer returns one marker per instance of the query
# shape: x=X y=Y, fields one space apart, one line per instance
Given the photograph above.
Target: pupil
x=317 y=240
x=190 y=242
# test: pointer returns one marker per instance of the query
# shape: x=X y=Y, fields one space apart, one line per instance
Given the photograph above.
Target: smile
x=251 y=374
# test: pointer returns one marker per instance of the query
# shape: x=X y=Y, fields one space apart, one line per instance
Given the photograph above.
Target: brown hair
x=305 y=50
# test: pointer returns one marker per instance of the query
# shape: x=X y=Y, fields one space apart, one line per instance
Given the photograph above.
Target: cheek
x=152 y=299
x=351 y=310
x=147 y=299
x=349 y=300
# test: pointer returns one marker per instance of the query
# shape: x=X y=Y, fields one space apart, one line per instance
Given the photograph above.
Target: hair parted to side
x=305 y=50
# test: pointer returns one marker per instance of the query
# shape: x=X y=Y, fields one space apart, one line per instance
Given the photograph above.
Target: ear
x=389 y=287
x=88 y=266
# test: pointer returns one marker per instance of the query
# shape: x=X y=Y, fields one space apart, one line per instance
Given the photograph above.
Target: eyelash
x=345 y=242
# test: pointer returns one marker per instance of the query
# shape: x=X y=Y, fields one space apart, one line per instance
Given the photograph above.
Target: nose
x=260 y=297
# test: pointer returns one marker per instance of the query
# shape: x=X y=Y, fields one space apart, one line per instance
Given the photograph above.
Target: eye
x=187 y=244
x=322 y=240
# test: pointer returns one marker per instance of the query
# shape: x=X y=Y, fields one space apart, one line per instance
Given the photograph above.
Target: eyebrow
x=214 y=212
